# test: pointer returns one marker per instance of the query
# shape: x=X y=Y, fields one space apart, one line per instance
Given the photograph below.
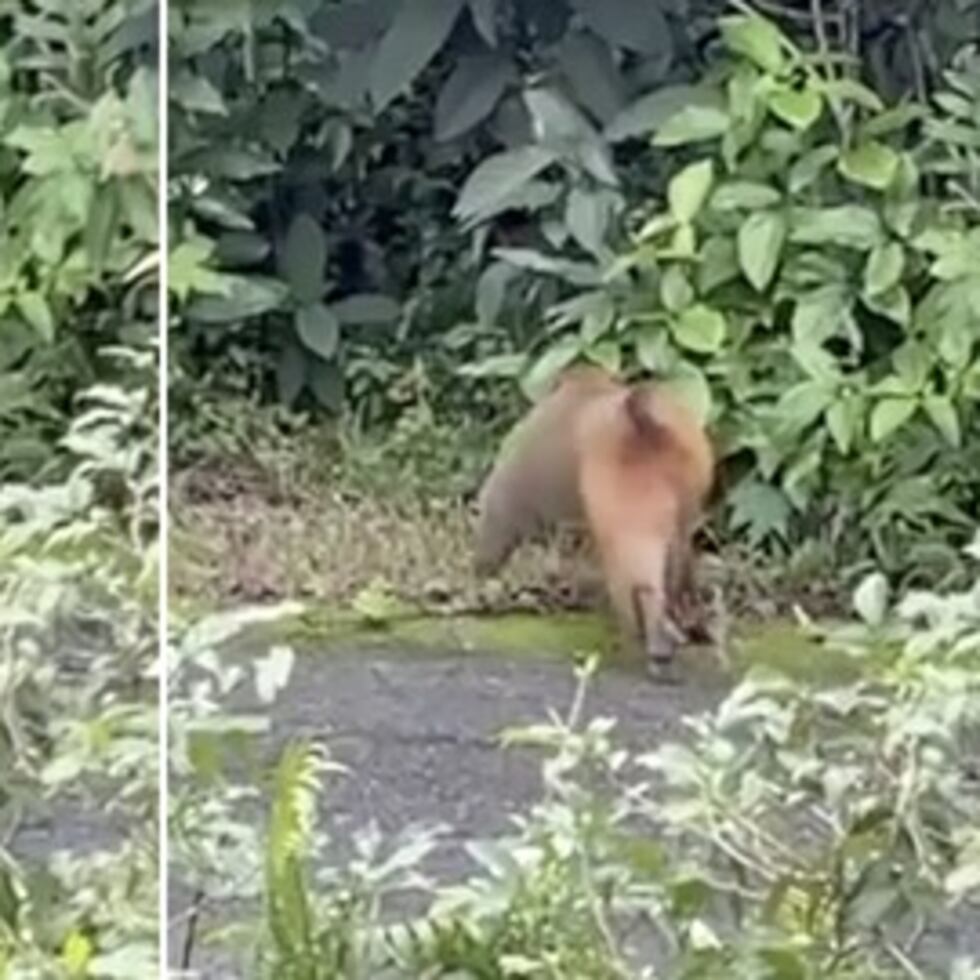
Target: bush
x=802 y=830
x=77 y=180
x=810 y=286
x=78 y=736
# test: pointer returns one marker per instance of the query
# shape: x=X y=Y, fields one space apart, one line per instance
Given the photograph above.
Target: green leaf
x=651 y=111
x=244 y=298
x=821 y=314
x=491 y=290
x=195 y=93
x=687 y=190
x=745 y=195
x=588 y=215
x=942 y=412
x=550 y=364
x=637 y=25
x=848 y=225
x=557 y=121
x=692 y=124
x=470 y=94
x=34 y=309
x=883 y=269
x=871 y=599
x=688 y=383
x=757 y=39
x=484 y=13
x=761 y=508
x=498 y=177
x=607 y=354
x=895 y=304
x=717 y=263
x=802 y=405
x=700 y=328
x=871 y=164
x=798 y=108
x=418 y=31
x=291 y=374
x=889 y=415
x=593 y=75
x=676 y=292
x=760 y=245
x=318 y=328
x=497 y=366
x=575 y=273
x=844 y=419
x=366 y=308
x=326 y=380
x=304 y=258
x=809 y=167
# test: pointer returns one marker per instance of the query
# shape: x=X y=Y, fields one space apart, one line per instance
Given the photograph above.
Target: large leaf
x=799 y=108
x=491 y=291
x=889 y=415
x=498 y=177
x=700 y=328
x=304 y=258
x=317 y=326
x=352 y=25
x=688 y=190
x=291 y=374
x=418 y=31
x=366 y=308
x=760 y=246
x=550 y=364
x=484 y=14
x=942 y=412
x=884 y=268
x=692 y=124
x=757 y=39
x=637 y=25
x=870 y=163
x=744 y=195
x=557 y=121
x=588 y=216
x=592 y=74
x=471 y=93
x=848 y=225
x=651 y=111
x=575 y=273
x=246 y=297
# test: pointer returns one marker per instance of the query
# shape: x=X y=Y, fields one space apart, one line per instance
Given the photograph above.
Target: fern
x=288 y=845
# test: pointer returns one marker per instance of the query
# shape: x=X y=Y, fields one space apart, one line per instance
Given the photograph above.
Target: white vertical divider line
x=163 y=326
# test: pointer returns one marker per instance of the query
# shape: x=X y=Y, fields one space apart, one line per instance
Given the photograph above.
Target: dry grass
x=287 y=523
x=236 y=535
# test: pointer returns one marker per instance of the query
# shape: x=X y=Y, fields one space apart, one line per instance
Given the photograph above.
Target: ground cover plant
x=801 y=829
x=78 y=490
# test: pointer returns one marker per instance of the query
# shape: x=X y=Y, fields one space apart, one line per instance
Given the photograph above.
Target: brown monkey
x=534 y=482
x=645 y=468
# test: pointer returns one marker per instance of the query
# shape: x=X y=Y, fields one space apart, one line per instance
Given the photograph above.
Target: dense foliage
x=804 y=830
x=78 y=490
x=380 y=206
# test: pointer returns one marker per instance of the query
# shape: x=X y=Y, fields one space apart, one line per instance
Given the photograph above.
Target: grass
x=332 y=518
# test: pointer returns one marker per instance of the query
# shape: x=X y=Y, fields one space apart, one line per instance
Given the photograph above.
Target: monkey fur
x=632 y=464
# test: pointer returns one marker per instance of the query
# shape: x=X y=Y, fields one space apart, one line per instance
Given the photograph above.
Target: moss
x=782 y=645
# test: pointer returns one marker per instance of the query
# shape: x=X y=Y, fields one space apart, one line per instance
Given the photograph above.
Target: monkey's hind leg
x=658 y=633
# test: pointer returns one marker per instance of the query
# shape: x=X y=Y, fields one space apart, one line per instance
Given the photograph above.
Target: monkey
x=622 y=462
x=645 y=469
x=533 y=485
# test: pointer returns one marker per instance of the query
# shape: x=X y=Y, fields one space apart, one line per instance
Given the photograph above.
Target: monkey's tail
x=642 y=417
